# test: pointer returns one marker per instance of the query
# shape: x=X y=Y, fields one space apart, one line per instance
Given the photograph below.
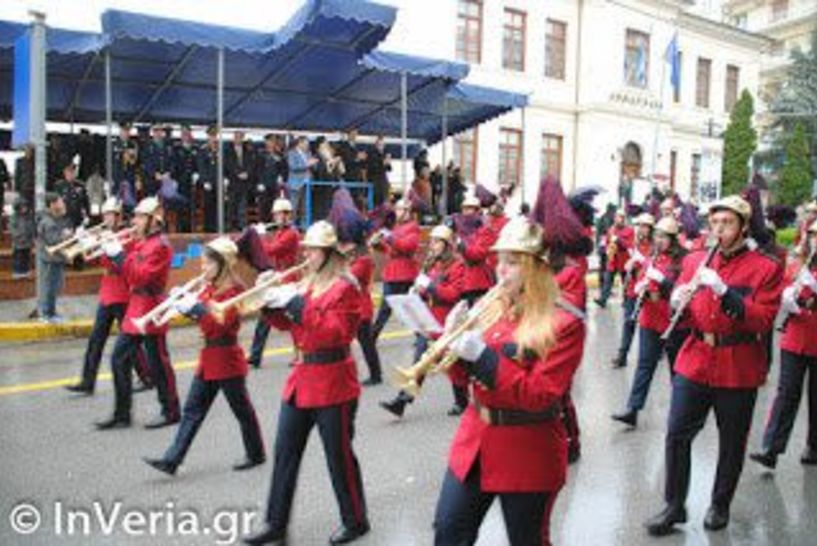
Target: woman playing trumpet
x=322 y=312
x=222 y=364
x=511 y=442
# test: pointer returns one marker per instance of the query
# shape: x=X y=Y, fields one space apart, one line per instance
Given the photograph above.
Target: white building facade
x=602 y=108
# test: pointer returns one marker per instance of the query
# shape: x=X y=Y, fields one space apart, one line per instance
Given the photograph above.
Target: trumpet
x=74 y=239
x=219 y=308
x=695 y=284
x=161 y=314
x=93 y=249
x=437 y=357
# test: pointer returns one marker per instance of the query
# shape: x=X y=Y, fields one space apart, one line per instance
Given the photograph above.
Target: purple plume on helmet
x=563 y=231
x=633 y=210
x=757 y=221
x=382 y=216
x=581 y=200
x=485 y=196
x=251 y=248
x=689 y=221
x=782 y=216
x=349 y=223
x=466 y=225
x=654 y=207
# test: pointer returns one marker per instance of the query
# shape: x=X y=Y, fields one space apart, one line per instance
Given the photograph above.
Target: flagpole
x=654 y=162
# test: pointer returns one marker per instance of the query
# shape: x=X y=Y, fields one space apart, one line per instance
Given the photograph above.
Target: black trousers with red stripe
x=462 y=507
x=124 y=355
x=336 y=426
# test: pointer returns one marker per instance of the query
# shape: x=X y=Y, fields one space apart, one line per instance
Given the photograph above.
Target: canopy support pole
x=443 y=206
x=219 y=123
x=403 y=131
x=108 y=122
x=522 y=159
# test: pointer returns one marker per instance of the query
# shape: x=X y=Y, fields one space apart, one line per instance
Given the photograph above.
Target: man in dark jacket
x=378 y=164
x=53 y=227
x=74 y=195
x=239 y=167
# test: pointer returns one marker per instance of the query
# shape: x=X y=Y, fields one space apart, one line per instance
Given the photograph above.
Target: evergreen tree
x=794 y=185
x=739 y=143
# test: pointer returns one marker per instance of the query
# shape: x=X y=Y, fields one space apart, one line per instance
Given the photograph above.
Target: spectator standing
x=53 y=227
x=74 y=196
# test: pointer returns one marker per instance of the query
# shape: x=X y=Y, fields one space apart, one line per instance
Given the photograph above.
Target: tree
x=739 y=143
x=794 y=185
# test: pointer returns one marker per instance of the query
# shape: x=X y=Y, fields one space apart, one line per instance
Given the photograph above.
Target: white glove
x=469 y=345
x=265 y=276
x=640 y=286
x=655 y=275
x=112 y=248
x=457 y=314
x=80 y=231
x=279 y=296
x=636 y=258
x=709 y=277
x=87 y=243
x=208 y=186
x=195 y=177
x=174 y=292
x=679 y=295
x=385 y=233
x=260 y=188
x=806 y=278
x=422 y=281
x=788 y=302
x=185 y=304
x=260 y=228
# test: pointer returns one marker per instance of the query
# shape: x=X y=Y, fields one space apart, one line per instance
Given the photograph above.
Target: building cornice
x=724 y=32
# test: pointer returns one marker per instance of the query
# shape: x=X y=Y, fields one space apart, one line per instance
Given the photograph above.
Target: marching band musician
x=798 y=356
x=474 y=247
x=655 y=283
x=282 y=251
x=519 y=369
x=619 y=242
x=801 y=235
x=399 y=245
x=732 y=302
x=113 y=299
x=145 y=266
x=322 y=313
x=222 y=365
x=645 y=222
x=441 y=286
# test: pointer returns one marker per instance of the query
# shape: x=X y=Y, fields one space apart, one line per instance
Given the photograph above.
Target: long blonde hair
x=320 y=281
x=533 y=307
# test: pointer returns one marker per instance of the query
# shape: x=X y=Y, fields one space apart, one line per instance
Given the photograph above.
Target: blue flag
x=673 y=57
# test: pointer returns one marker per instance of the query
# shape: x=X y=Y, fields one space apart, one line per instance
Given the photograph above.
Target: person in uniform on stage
x=652 y=289
x=272 y=171
x=399 y=245
x=798 y=358
x=519 y=359
x=207 y=160
x=156 y=160
x=185 y=163
x=222 y=365
x=125 y=157
x=733 y=300
x=113 y=299
x=441 y=285
x=323 y=313
x=74 y=195
x=642 y=250
x=145 y=266
x=282 y=251
x=619 y=244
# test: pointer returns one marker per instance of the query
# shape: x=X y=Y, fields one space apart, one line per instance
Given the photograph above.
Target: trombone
x=277 y=278
x=437 y=357
x=161 y=314
x=74 y=239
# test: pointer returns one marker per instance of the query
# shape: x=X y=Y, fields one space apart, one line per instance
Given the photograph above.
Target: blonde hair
x=320 y=281
x=533 y=307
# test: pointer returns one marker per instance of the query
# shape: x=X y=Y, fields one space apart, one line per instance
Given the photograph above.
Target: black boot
x=161 y=422
x=372 y=381
x=80 y=388
x=663 y=523
x=247 y=463
x=766 y=458
x=717 y=518
x=629 y=417
x=113 y=422
x=268 y=535
x=344 y=535
x=162 y=465
x=574 y=453
x=618 y=362
x=809 y=456
x=397 y=405
x=455 y=410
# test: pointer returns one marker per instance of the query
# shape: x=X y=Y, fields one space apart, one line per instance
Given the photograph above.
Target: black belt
x=225 y=341
x=326 y=356
x=145 y=291
x=508 y=417
x=727 y=340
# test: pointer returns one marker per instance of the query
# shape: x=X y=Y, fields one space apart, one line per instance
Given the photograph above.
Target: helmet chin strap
x=327 y=253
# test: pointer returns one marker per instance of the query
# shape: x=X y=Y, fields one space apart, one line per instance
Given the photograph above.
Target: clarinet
x=798 y=286
x=642 y=297
x=679 y=312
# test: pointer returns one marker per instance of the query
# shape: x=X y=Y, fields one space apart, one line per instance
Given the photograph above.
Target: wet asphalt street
x=53 y=461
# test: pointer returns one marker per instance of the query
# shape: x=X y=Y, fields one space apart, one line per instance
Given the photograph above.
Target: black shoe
x=142 y=387
x=601 y=303
x=161 y=422
x=345 y=534
x=629 y=417
x=248 y=463
x=809 y=456
x=255 y=365
x=618 y=362
x=766 y=458
x=162 y=465
x=112 y=423
x=574 y=453
x=79 y=388
x=664 y=523
x=371 y=382
x=268 y=535
x=717 y=518
x=397 y=405
x=455 y=410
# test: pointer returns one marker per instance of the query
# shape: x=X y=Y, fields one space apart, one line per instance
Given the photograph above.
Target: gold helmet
x=668 y=225
x=813 y=227
x=282 y=204
x=444 y=233
x=113 y=205
x=520 y=235
x=734 y=203
x=471 y=200
x=645 y=219
x=321 y=234
x=149 y=206
x=811 y=206
x=226 y=248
